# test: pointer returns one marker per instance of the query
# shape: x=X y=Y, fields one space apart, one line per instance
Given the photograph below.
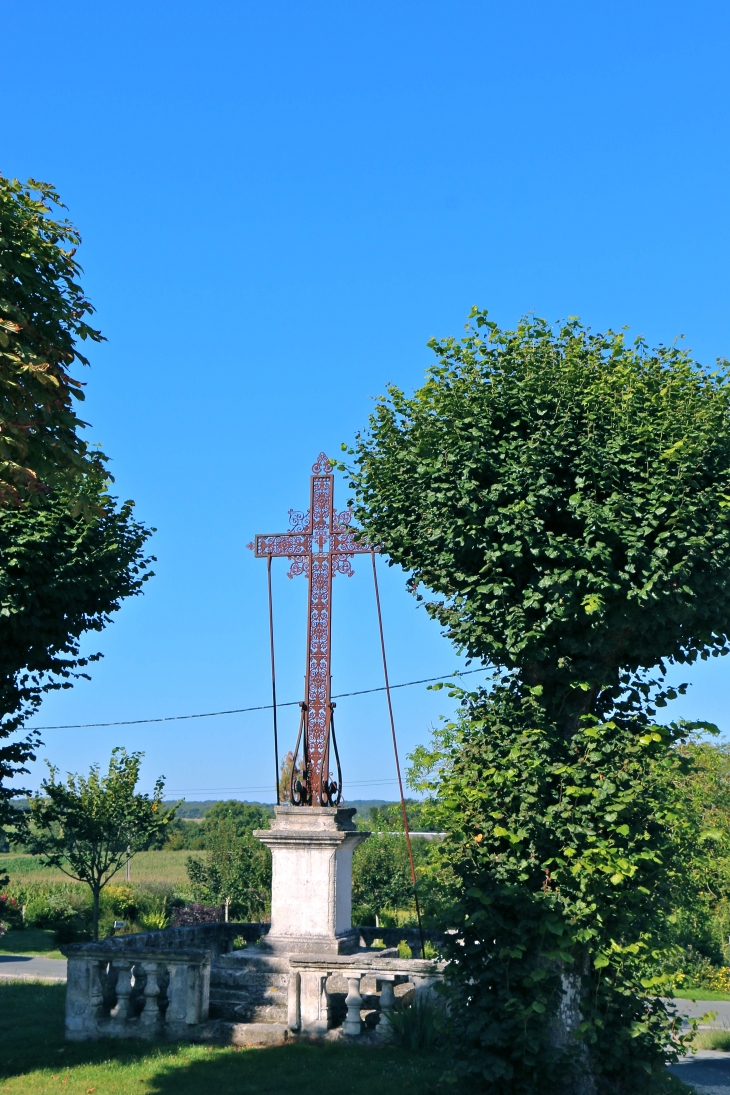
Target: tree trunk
x=95 y=930
x=565 y=1028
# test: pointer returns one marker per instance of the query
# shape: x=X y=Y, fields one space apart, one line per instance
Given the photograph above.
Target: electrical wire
x=261 y=707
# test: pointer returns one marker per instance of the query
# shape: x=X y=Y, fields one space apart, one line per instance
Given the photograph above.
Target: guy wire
x=397 y=761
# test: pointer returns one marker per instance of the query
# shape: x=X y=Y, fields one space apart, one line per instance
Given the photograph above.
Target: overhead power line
x=246 y=710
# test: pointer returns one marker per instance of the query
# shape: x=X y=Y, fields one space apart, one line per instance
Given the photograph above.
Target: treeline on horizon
x=190 y=829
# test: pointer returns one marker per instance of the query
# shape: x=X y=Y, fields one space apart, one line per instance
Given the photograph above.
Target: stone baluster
x=352 y=1024
x=387 y=1004
x=193 y=995
x=120 y=1013
x=151 y=1017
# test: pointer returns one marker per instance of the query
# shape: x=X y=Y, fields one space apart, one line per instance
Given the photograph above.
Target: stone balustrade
x=151 y=994
x=188 y=984
x=370 y=981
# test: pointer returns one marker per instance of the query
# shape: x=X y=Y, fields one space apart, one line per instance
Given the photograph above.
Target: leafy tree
x=87 y=826
x=43 y=314
x=245 y=816
x=566 y=498
x=60 y=576
x=381 y=880
x=68 y=553
x=700 y=923
x=237 y=872
x=389 y=818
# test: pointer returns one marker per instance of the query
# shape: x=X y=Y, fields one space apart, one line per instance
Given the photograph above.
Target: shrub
x=419 y=1025
x=121 y=900
x=156 y=918
x=11 y=911
x=67 y=916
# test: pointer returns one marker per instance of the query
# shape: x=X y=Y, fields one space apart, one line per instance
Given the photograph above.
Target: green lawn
x=34 y=1058
x=30 y=941
x=146 y=867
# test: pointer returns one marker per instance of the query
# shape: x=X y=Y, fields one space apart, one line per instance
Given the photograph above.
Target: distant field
x=145 y=867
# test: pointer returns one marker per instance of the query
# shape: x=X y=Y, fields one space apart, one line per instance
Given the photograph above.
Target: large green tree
x=43 y=315
x=69 y=554
x=566 y=496
x=561 y=502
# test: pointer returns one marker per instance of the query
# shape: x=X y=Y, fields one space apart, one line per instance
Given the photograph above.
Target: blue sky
x=280 y=204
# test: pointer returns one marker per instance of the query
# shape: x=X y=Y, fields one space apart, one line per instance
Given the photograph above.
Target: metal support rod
x=395 y=751
x=273 y=684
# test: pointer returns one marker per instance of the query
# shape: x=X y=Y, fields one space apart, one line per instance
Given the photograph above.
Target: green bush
x=419 y=1025
x=11 y=911
x=68 y=916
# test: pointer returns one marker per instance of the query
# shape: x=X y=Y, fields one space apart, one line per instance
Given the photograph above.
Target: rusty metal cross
x=319 y=544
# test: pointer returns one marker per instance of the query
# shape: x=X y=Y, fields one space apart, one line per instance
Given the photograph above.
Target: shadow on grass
x=31 y=1040
x=308 y=1070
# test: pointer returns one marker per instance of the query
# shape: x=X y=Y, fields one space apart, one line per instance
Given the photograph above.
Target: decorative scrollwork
x=299 y=565
x=341 y=521
x=299 y=520
x=322 y=465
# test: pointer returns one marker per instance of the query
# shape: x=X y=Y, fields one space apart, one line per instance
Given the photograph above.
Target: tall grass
x=419 y=1025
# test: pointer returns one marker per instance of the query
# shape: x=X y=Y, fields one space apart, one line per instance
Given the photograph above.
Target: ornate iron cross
x=319 y=544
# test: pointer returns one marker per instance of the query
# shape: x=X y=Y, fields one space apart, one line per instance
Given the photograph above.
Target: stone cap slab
x=314 y=817
x=365 y=962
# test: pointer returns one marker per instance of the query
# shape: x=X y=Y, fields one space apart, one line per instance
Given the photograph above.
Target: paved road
x=26 y=967
x=708 y=1072
x=697 y=1008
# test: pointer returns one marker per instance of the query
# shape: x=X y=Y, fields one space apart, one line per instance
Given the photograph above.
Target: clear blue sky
x=280 y=203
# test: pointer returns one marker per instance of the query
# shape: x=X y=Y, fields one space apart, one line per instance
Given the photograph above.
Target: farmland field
x=165 y=866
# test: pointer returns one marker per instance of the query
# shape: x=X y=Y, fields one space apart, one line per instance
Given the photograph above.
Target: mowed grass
x=34 y=1058
x=165 y=866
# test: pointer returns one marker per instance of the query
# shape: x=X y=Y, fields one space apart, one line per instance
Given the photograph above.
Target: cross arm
x=286 y=544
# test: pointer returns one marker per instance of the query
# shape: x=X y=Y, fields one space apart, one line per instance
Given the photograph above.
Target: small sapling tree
x=88 y=825
x=561 y=501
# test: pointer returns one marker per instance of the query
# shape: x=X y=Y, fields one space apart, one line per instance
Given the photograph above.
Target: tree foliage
x=60 y=576
x=68 y=553
x=88 y=825
x=700 y=921
x=568 y=497
x=237 y=871
x=564 y=857
x=43 y=315
x=381 y=880
x=561 y=502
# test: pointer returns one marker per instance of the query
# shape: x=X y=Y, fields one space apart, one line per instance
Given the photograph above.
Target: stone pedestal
x=311 y=886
